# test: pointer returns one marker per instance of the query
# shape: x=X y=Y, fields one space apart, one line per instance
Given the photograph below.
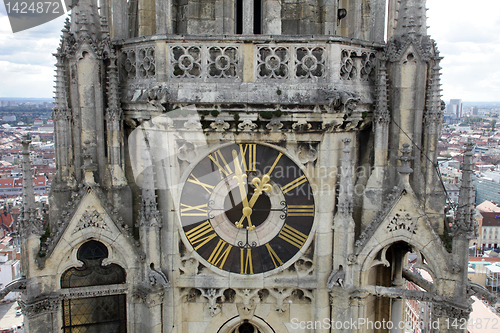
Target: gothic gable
x=404 y=221
x=89 y=221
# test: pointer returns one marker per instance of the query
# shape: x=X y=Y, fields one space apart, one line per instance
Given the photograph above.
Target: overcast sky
x=467 y=33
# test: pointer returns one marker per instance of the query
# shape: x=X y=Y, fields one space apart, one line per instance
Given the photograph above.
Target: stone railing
x=243 y=61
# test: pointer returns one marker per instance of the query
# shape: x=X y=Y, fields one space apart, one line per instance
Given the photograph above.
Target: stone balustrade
x=291 y=69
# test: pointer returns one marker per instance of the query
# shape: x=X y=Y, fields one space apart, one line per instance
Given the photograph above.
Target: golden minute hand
x=261 y=185
x=240 y=176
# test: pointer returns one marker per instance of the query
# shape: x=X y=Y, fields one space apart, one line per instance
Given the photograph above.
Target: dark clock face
x=247 y=208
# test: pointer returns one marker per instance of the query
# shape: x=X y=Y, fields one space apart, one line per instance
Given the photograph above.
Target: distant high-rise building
x=475 y=111
x=455 y=107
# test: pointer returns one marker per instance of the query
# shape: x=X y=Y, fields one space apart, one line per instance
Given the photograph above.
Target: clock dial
x=247 y=208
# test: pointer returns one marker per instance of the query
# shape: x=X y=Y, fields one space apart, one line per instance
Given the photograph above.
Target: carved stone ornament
x=40 y=306
x=158 y=278
x=280 y=294
x=301 y=125
x=193 y=124
x=306 y=152
x=336 y=279
x=304 y=266
x=402 y=221
x=91 y=219
x=149 y=216
x=220 y=125
x=212 y=294
x=187 y=152
x=247 y=126
x=341 y=101
x=445 y=310
x=250 y=297
x=274 y=125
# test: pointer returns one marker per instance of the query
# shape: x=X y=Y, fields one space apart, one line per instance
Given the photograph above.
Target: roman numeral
x=293 y=184
x=201 y=235
x=292 y=236
x=192 y=179
x=274 y=256
x=200 y=210
x=274 y=164
x=300 y=210
x=248 y=156
x=246 y=261
x=221 y=163
x=220 y=254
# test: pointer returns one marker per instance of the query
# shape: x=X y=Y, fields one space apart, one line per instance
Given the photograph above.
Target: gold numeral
x=246 y=261
x=200 y=210
x=220 y=254
x=274 y=164
x=218 y=158
x=293 y=184
x=201 y=235
x=274 y=256
x=300 y=210
x=192 y=179
x=292 y=236
x=248 y=156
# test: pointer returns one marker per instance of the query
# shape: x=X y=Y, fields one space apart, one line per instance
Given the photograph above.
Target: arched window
x=246 y=328
x=94 y=314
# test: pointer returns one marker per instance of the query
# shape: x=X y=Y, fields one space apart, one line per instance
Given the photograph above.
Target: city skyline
x=469 y=47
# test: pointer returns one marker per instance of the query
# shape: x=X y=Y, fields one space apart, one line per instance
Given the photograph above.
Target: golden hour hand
x=241 y=178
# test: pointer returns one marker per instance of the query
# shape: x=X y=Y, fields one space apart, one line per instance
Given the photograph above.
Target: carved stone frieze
x=40 y=306
x=74 y=293
x=402 y=221
x=91 y=219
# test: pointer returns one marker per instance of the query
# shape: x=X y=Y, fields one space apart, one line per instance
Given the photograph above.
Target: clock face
x=247 y=208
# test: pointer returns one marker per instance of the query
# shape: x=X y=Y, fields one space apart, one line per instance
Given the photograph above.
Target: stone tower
x=245 y=166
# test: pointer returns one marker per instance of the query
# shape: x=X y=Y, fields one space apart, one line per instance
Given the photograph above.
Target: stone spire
x=382 y=114
x=85 y=19
x=346 y=187
x=29 y=222
x=433 y=112
x=464 y=223
x=412 y=19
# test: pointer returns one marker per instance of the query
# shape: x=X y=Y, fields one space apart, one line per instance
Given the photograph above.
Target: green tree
x=492 y=124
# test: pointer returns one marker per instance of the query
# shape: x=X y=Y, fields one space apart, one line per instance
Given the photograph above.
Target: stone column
x=248 y=17
x=373 y=194
x=341 y=277
x=271 y=17
x=164 y=17
x=377 y=20
x=397 y=306
x=120 y=19
x=147 y=17
x=329 y=9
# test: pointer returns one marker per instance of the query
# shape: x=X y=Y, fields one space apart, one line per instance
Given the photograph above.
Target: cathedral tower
x=244 y=166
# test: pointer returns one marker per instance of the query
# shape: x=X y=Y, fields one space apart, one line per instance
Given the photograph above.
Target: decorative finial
x=405 y=159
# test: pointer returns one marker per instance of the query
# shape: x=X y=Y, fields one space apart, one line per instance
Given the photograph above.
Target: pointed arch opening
x=93 y=313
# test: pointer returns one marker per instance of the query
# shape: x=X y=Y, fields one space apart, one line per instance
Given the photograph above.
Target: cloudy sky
x=467 y=33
